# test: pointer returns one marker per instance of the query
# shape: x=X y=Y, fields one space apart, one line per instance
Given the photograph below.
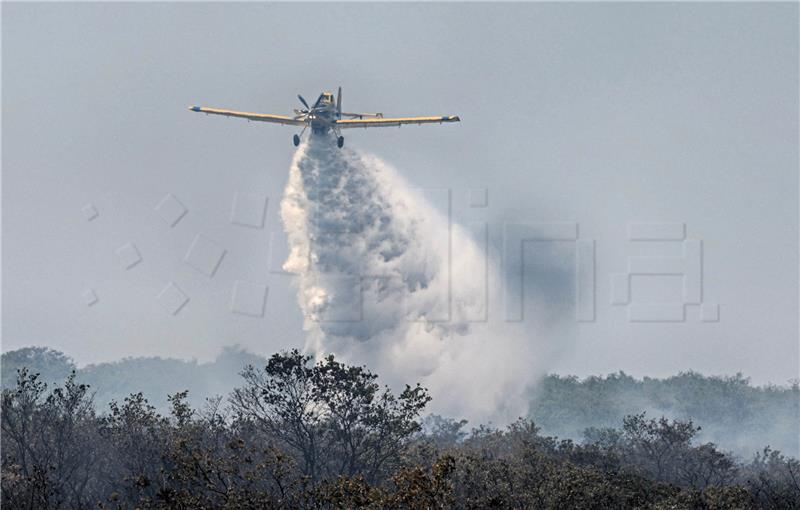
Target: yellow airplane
x=326 y=115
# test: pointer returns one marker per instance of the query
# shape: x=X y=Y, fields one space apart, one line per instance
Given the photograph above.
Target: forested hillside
x=734 y=414
x=295 y=434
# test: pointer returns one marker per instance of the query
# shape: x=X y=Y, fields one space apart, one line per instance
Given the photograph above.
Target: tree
x=49 y=443
x=656 y=446
x=773 y=479
x=336 y=418
x=443 y=432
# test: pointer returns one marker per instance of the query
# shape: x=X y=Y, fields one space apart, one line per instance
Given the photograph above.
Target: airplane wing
x=388 y=122
x=262 y=117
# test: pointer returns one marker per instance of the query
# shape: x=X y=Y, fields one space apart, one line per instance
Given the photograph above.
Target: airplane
x=327 y=115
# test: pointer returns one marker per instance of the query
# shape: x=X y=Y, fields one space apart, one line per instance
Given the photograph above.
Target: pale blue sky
x=600 y=114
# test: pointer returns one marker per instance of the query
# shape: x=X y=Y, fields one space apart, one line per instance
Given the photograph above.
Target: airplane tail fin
x=339 y=101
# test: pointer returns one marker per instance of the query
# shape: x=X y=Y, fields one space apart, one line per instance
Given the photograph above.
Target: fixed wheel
x=340 y=142
x=296 y=140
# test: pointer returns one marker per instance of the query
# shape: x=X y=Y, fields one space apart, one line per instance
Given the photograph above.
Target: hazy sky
x=598 y=114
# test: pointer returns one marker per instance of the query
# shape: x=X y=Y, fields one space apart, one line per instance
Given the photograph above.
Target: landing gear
x=296 y=140
x=340 y=142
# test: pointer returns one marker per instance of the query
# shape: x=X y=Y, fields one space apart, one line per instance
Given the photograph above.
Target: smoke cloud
x=384 y=280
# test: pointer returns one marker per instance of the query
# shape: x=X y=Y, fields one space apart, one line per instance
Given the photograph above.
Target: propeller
x=305 y=112
x=308 y=111
x=303 y=101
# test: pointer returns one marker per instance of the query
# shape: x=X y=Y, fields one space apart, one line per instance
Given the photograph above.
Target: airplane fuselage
x=324 y=114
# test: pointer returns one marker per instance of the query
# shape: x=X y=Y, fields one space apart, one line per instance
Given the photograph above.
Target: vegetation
x=733 y=413
x=154 y=377
x=325 y=435
x=730 y=410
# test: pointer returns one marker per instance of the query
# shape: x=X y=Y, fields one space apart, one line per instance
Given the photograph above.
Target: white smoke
x=381 y=283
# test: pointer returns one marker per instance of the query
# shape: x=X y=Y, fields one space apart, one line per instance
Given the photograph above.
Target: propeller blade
x=303 y=101
x=318 y=100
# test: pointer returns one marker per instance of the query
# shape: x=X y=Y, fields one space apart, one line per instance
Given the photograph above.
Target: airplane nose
x=194 y=108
